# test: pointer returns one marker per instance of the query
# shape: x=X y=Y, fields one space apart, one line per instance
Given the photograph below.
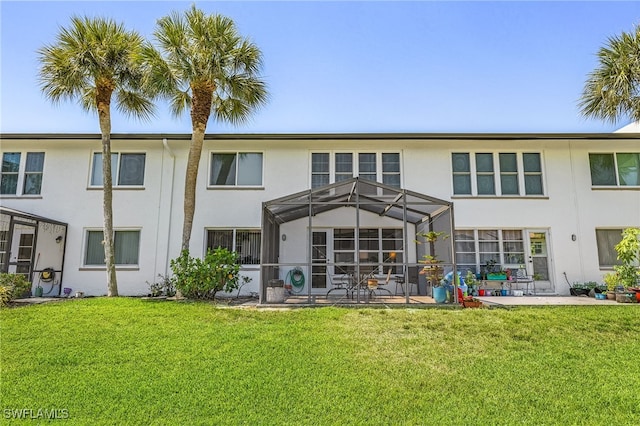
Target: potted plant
x=472 y=283
x=611 y=281
x=433 y=269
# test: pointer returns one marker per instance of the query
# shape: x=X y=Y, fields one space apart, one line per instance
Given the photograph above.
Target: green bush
x=199 y=278
x=13 y=286
x=628 y=251
x=164 y=286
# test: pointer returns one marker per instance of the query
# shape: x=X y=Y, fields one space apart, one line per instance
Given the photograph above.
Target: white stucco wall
x=569 y=207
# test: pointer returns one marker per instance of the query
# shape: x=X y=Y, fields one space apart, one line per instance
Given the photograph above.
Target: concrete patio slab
x=545 y=300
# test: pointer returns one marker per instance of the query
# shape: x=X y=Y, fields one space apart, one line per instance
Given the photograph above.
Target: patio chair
x=374 y=284
x=521 y=277
x=409 y=281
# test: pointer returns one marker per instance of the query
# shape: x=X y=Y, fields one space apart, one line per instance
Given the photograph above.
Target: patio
x=33 y=246
x=350 y=236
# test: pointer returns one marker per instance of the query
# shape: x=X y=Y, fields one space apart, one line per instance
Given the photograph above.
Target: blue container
x=504 y=292
x=439 y=294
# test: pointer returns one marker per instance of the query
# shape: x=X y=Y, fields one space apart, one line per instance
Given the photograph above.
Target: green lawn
x=126 y=361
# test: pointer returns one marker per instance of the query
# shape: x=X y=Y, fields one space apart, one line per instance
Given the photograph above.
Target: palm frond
x=90 y=53
x=134 y=104
x=206 y=51
x=180 y=102
x=612 y=90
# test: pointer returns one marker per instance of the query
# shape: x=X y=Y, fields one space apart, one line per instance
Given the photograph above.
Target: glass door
x=538 y=257
x=21 y=252
x=319 y=260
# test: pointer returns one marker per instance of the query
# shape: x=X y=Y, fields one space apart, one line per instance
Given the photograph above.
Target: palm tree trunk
x=195 y=150
x=104 y=114
x=201 y=109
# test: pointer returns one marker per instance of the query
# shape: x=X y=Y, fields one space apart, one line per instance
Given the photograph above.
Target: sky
x=355 y=67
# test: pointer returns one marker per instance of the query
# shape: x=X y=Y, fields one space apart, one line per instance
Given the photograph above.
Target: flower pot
x=439 y=294
x=611 y=295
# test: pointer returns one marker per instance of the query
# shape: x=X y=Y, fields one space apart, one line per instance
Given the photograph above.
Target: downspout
x=577 y=209
x=170 y=204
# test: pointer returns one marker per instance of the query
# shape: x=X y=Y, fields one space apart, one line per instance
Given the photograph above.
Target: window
x=13 y=169
x=4 y=237
x=619 y=169
x=319 y=169
x=474 y=248
x=236 y=169
x=503 y=174
x=329 y=168
x=377 y=248
x=606 y=240
x=245 y=242
x=126 y=246
x=127 y=169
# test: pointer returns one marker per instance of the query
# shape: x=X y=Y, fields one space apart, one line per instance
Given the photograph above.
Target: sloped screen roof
x=367 y=195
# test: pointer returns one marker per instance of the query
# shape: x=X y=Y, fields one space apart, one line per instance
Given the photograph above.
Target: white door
x=319 y=260
x=538 y=258
x=22 y=250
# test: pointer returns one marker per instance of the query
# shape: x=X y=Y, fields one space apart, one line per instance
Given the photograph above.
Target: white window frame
x=116 y=173
x=235 y=185
x=503 y=261
x=612 y=254
x=383 y=264
x=355 y=161
x=497 y=173
x=119 y=266
x=234 y=241
x=617 y=185
x=22 y=174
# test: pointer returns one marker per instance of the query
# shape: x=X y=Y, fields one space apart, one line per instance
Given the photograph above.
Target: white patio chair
x=522 y=278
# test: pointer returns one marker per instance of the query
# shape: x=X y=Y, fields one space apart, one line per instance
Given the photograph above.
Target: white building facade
x=553 y=203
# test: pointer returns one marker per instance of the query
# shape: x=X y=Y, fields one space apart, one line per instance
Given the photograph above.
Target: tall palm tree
x=92 y=60
x=612 y=90
x=202 y=64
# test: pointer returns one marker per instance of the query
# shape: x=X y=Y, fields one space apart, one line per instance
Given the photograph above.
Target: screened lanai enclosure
x=355 y=241
x=33 y=246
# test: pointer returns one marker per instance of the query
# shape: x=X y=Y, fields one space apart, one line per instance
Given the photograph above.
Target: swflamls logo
x=38 y=413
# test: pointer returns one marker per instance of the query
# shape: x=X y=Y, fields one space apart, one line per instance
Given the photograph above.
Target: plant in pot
x=433 y=269
x=472 y=282
x=611 y=280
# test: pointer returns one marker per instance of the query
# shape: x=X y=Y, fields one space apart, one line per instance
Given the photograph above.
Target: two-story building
x=553 y=204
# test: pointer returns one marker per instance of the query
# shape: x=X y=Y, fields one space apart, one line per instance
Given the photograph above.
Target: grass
x=126 y=361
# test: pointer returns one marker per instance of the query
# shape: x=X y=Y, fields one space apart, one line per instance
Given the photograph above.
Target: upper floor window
x=619 y=169
x=127 y=169
x=21 y=174
x=235 y=169
x=244 y=242
x=126 y=247
x=504 y=174
x=328 y=168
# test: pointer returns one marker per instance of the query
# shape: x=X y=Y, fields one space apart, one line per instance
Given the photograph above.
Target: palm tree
x=90 y=61
x=612 y=90
x=204 y=65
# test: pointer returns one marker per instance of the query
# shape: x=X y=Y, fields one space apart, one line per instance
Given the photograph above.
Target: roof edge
x=326 y=136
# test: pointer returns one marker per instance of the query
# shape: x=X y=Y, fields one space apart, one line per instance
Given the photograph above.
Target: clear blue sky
x=334 y=66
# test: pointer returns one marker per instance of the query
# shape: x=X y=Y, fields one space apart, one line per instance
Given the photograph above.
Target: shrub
x=199 y=278
x=13 y=286
x=628 y=251
x=164 y=286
